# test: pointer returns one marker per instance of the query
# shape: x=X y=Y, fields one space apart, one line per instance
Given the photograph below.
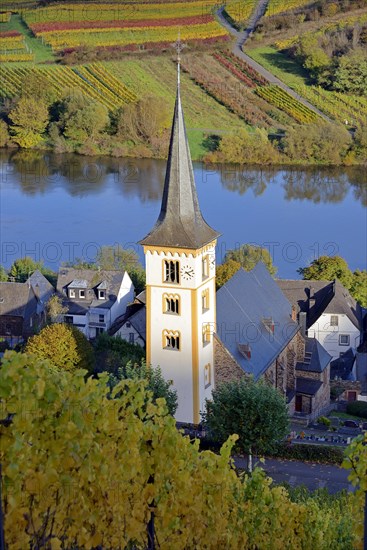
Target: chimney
x=294 y=313
x=302 y=322
x=311 y=297
x=245 y=350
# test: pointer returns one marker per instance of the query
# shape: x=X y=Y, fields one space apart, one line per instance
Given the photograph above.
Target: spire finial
x=179 y=46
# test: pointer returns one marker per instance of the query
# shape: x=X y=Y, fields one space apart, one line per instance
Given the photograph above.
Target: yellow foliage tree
x=86 y=468
x=30 y=118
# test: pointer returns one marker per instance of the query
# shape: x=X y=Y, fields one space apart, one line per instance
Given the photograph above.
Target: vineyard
x=94 y=80
x=13 y=47
x=240 y=11
x=341 y=107
x=281 y=99
x=119 y=25
x=275 y=6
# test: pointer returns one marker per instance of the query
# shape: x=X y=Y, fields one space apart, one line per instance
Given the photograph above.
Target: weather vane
x=179 y=46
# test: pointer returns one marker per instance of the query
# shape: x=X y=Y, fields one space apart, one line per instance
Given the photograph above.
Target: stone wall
x=226 y=368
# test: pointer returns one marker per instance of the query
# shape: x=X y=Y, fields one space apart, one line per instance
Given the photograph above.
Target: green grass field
x=42 y=53
x=282 y=66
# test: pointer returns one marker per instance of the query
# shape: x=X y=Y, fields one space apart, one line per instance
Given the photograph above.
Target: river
x=58 y=208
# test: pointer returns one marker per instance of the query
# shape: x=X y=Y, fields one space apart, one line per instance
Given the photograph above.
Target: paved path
x=241 y=38
x=312 y=475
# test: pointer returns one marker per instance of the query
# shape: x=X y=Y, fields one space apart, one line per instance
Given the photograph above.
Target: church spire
x=180 y=223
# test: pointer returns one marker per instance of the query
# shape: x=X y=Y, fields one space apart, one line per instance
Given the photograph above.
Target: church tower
x=180 y=281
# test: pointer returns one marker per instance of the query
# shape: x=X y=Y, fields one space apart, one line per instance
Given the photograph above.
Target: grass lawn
x=346 y=416
x=282 y=66
x=42 y=53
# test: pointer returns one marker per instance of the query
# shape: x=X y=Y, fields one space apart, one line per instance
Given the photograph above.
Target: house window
x=205 y=299
x=206 y=333
x=101 y=294
x=171 y=340
x=68 y=319
x=101 y=318
x=81 y=293
x=171 y=304
x=171 y=271
x=205 y=264
x=207 y=375
x=334 y=320
x=344 y=339
x=71 y=293
x=131 y=338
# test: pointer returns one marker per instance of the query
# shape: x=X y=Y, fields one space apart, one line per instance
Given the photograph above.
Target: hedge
x=357 y=408
x=305 y=452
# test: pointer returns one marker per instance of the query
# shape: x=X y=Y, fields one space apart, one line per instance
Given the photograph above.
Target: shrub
x=315 y=453
x=357 y=408
x=324 y=420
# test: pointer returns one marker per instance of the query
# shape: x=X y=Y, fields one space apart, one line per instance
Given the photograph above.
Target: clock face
x=187 y=272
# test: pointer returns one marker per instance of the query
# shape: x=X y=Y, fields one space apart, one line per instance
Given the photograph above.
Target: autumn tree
x=30 y=118
x=4 y=133
x=248 y=255
x=225 y=271
x=246 y=147
x=55 y=309
x=255 y=411
x=3 y=274
x=84 y=467
x=323 y=143
x=22 y=268
x=64 y=345
x=350 y=75
x=144 y=120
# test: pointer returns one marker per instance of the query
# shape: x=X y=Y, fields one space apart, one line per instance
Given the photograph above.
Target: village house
x=328 y=312
x=23 y=308
x=257 y=334
x=94 y=298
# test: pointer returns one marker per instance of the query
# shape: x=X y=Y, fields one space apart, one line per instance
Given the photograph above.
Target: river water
x=61 y=207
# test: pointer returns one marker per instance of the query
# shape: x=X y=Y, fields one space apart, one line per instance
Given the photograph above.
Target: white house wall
x=124 y=297
x=328 y=335
x=124 y=332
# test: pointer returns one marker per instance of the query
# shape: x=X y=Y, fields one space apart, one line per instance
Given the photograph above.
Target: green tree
x=248 y=255
x=113 y=353
x=64 y=345
x=351 y=73
x=328 y=268
x=81 y=120
x=22 y=268
x=3 y=274
x=4 y=133
x=356 y=461
x=255 y=411
x=159 y=387
x=358 y=288
x=30 y=118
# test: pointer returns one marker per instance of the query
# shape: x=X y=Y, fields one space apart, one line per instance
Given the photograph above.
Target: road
x=312 y=475
x=242 y=36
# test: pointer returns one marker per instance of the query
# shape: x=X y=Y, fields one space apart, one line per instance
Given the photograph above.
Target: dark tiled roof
x=138 y=321
x=17 y=299
x=92 y=279
x=42 y=288
x=298 y=293
x=343 y=366
x=308 y=386
x=329 y=297
x=243 y=304
x=141 y=297
x=180 y=222
x=316 y=357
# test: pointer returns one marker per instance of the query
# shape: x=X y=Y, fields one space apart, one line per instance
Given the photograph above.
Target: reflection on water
x=59 y=207
x=39 y=172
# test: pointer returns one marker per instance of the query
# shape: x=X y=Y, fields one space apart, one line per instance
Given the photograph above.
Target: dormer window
x=71 y=293
x=101 y=295
x=82 y=294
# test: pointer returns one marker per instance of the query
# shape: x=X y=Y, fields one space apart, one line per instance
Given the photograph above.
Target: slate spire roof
x=180 y=223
